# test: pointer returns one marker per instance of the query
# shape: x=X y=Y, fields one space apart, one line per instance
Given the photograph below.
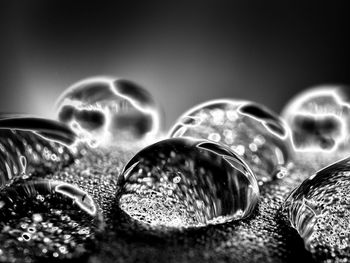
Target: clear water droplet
x=318 y=118
x=110 y=111
x=43 y=219
x=184 y=182
x=319 y=210
x=253 y=131
x=30 y=145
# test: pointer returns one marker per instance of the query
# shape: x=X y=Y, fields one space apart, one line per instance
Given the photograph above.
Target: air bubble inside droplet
x=319 y=210
x=193 y=183
x=252 y=130
x=106 y=111
x=33 y=221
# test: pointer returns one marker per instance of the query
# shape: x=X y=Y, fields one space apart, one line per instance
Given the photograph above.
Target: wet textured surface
x=253 y=131
x=184 y=182
x=319 y=210
x=319 y=119
x=105 y=111
x=264 y=237
x=29 y=145
x=47 y=220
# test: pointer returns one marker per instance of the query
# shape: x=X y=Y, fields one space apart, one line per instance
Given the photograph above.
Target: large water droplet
x=318 y=118
x=48 y=220
x=183 y=182
x=253 y=131
x=29 y=145
x=319 y=210
x=105 y=111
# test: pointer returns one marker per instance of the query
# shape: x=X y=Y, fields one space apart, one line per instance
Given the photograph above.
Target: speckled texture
x=265 y=237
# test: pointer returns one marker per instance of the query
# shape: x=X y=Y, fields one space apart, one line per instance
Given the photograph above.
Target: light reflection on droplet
x=29 y=145
x=193 y=183
x=319 y=121
x=106 y=111
x=250 y=129
x=319 y=210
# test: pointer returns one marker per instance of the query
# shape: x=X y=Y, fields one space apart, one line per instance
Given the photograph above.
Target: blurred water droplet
x=253 y=131
x=318 y=118
x=319 y=210
x=183 y=182
x=29 y=145
x=43 y=219
x=110 y=111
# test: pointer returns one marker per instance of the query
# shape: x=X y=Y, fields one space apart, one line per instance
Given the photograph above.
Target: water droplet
x=319 y=210
x=110 y=111
x=318 y=118
x=32 y=144
x=184 y=182
x=253 y=131
x=62 y=223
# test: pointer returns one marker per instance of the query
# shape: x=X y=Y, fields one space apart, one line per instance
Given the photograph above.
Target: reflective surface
x=183 y=182
x=319 y=119
x=105 y=111
x=29 y=145
x=46 y=220
x=320 y=211
x=253 y=131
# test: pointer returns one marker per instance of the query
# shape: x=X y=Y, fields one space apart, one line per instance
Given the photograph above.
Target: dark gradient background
x=183 y=52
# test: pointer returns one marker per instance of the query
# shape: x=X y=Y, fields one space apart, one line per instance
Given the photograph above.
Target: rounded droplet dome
x=184 y=182
x=319 y=210
x=253 y=131
x=29 y=145
x=107 y=111
x=319 y=121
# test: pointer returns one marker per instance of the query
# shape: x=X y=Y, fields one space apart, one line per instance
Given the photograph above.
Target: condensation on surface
x=265 y=236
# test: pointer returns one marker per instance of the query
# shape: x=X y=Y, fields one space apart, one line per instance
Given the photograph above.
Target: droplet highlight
x=105 y=111
x=318 y=118
x=46 y=220
x=29 y=145
x=183 y=182
x=319 y=210
x=253 y=131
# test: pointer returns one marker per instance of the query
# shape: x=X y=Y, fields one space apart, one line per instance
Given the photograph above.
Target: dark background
x=184 y=52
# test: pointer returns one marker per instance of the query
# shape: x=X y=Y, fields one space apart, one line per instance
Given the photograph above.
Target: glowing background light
x=184 y=52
